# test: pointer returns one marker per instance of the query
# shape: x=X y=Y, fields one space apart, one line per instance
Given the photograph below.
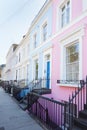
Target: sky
x=15 y=19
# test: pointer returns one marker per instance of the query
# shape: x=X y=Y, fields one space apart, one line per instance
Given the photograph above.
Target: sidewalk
x=12 y=117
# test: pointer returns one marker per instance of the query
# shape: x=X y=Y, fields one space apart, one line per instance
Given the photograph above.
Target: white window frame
x=44 y=31
x=65 y=14
x=19 y=59
x=70 y=44
x=59 y=21
x=36 y=72
x=64 y=43
x=41 y=29
x=33 y=67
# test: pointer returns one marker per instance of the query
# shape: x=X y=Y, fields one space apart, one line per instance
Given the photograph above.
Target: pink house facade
x=69 y=64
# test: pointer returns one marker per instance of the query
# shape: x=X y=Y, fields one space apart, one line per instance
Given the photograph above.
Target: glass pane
x=44 y=32
x=68 y=15
x=69 y=68
x=77 y=48
x=35 y=42
x=74 y=68
x=68 y=59
x=72 y=49
x=63 y=19
x=75 y=76
x=74 y=57
x=67 y=51
x=69 y=76
x=68 y=12
x=63 y=8
x=36 y=69
x=68 y=3
x=72 y=62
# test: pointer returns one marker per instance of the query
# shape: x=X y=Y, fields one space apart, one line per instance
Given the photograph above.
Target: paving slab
x=12 y=117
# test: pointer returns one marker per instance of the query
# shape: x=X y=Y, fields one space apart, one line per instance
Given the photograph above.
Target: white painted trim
x=60 y=5
x=80 y=56
x=33 y=65
x=67 y=85
x=79 y=31
x=45 y=53
x=68 y=41
x=60 y=31
x=41 y=29
x=60 y=39
x=43 y=10
x=35 y=33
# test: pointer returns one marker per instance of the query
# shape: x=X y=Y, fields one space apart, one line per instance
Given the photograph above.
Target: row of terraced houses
x=54 y=48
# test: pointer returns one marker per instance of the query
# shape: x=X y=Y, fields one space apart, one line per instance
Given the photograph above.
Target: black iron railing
x=76 y=102
x=41 y=83
x=52 y=113
x=69 y=82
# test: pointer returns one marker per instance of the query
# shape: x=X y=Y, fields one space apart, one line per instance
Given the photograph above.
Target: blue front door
x=48 y=75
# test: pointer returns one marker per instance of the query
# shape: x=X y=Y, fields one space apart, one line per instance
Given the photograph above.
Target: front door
x=48 y=75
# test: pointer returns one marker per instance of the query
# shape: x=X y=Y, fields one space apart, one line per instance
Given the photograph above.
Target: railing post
x=36 y=108
x=47 y=121
x=72 y=107
x=64 y=115
x=75 y=105
x=69 y=115
x=28 y=101
x=86 y=89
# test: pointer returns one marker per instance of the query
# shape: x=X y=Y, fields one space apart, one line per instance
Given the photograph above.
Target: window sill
x=67 y=85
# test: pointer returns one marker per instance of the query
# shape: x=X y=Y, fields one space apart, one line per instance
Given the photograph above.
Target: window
x=35 y=40
x=65 y=14
x=16 y=74
x=24 y=72
x=19 y=74
x=45 y=32
x=27 y=72
x=36 y=69
x=19 y=57
x=72 y=62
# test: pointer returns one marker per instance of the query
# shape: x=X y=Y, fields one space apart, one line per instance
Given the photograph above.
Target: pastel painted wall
x=62 y=92
x=84 y=48
x=76 y=9
x=37 y=28
x=37 y=52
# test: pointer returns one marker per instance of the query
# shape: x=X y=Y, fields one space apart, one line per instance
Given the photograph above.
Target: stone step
x=85 y=106
x=76 y=128
x=23 y=106
x=83 y=114
x=2 y=128
x=81 y=123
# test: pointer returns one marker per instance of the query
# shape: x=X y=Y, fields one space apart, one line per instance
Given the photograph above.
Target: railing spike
x=86 y=78
x=69 y=98
x=72 y=95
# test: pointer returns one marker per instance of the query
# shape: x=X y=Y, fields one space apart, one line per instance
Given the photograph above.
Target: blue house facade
x=40 y=54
